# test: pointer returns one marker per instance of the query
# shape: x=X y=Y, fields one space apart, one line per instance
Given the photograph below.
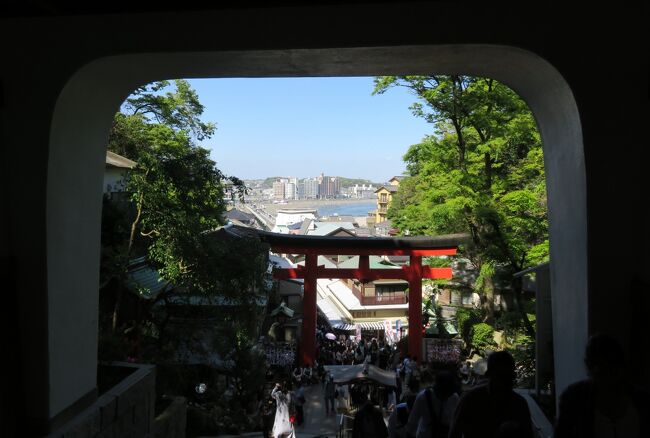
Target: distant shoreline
x=312 y=203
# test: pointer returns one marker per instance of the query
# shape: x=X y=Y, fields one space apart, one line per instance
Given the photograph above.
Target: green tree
x=176 y=190
x=481 y=172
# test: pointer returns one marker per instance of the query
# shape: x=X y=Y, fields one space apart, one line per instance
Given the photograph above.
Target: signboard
x=442 y=350
x=357 y=332
x=388 y=331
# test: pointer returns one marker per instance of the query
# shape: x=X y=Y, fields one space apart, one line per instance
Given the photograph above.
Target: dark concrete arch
x=89 y=99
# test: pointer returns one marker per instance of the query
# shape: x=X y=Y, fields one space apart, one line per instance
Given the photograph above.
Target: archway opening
x=537 y=82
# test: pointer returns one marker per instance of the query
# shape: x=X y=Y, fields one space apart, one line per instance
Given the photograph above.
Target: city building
x=300 y=189
x=291 y=191
x=288 y=217
x=384 y=197
x=361 y=191
x=347 y=303
x=311 y=190
x=279 y=189
x=329 y=186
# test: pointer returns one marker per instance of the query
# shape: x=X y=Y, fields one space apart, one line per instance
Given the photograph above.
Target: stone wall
x=125 y=410
x=172 y=421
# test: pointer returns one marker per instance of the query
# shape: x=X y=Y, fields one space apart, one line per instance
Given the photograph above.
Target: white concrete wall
x=114 y=180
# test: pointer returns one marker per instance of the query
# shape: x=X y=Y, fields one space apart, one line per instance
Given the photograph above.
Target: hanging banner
x=388 y=331
x=357 y=332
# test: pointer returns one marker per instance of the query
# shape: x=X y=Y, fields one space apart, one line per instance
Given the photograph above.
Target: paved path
x=316 y=423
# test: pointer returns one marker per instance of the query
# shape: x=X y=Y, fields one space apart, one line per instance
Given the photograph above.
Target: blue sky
x=304 y=126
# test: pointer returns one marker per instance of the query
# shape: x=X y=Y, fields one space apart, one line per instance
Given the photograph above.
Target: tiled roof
x=375 y=262
x=240 y=215
x=143 y=278
x=304 y=227
x=387 y=187
x=322 y=261
x=331 y=312
x=327 y=228
x=342 y=293
x=296 y=226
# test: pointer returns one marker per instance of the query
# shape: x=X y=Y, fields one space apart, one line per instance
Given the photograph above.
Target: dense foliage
x=481 y=172
x=172 y=215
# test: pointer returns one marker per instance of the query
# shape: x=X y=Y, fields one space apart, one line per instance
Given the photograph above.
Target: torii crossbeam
x=313 y=246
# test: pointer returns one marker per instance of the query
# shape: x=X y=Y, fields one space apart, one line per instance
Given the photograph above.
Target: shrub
x=482 y=336
x=466 y=319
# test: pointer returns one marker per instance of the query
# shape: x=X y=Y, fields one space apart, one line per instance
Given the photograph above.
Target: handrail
x=342 y=430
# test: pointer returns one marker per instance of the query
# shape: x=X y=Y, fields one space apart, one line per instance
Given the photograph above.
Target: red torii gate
x=313 y=246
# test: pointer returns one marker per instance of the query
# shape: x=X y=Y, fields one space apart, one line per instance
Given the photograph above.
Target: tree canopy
x=481 y=171
x=176 y=191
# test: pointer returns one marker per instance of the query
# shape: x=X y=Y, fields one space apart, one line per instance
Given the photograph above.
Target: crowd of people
x=345 y=351
x=430 y=405
x=429 y=401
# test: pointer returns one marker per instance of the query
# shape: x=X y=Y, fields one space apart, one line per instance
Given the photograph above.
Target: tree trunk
x=517 y=291
x=118 y=300
x=120 y=286
x=488 y=291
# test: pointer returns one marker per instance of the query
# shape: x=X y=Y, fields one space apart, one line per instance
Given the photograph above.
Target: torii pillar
x=415 y=306
x=308 y=331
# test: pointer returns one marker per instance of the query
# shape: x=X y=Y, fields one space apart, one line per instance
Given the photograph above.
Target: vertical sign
x=398 y=330
x=358 y=332
x=388 y=331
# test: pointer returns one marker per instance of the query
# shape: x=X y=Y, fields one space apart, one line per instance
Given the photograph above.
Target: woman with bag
x=282 y=426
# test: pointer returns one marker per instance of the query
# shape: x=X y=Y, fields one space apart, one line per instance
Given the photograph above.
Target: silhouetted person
x=604 y=404
x=330 y=395
x=494 y=409
x=434 y=407
x=369 y=422
x=399 y=418
x=299 y=402
x=412 y=388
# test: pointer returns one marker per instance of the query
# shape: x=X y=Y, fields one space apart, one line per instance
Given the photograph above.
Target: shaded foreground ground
x=316 y=422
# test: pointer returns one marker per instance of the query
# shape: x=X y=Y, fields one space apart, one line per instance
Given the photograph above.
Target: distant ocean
x=352 y=209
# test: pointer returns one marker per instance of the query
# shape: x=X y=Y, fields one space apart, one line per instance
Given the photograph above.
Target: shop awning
x=374 y=325
x=344 y=374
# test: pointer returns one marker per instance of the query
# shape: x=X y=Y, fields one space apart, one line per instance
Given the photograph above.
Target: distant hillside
x=268 y=182
x=349 y=182
x=345 y=182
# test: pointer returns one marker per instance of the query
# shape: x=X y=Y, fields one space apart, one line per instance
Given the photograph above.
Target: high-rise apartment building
x=290 y=191
x=329 y=186
x=279 y=189
x=311 y=187
x=300 y=189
